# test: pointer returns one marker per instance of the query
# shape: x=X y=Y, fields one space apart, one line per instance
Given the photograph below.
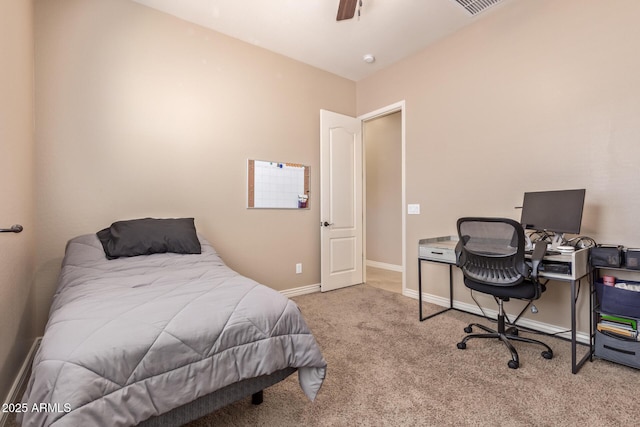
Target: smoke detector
x=369 y=59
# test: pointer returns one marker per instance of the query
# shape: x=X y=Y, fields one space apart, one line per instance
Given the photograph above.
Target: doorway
x=384 y=198
x=343 y=257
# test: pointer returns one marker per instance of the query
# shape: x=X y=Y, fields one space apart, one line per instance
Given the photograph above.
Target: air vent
x=476 y=6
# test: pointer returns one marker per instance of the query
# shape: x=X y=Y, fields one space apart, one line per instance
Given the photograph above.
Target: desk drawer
x=617 y=350
x=437 y=254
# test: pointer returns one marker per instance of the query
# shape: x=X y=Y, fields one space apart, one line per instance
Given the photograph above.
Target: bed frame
x=207 y=404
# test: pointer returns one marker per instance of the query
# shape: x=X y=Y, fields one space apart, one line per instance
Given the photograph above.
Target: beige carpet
x=385 y=368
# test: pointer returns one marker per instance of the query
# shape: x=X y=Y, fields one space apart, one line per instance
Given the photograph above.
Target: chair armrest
x=458 y=249
x=539 y=251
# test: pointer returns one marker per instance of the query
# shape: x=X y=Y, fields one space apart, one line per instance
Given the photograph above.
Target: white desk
x=567 y=268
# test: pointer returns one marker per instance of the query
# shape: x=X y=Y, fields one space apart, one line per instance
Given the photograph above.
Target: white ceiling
x=307 y=30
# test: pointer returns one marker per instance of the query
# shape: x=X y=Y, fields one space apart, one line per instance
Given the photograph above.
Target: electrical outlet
x=299 y=268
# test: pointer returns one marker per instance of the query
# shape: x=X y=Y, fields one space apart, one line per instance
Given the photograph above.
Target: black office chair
x=492 y=258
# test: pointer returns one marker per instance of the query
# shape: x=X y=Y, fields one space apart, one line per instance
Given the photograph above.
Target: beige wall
x=16 y=187
x=142 y=114
x=383 y=159
x=539 y=95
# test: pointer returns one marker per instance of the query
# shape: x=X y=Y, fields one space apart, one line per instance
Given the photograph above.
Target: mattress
x=132 y=338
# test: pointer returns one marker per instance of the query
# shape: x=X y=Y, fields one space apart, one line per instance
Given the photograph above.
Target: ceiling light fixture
x=369 y=59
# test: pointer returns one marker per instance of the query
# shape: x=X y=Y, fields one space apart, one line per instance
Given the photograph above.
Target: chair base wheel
x=513 y=364
x=462 y=345
x=468 y=329
x=547 y=354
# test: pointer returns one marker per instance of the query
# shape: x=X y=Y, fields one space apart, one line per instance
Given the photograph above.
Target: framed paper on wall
x=277 y=185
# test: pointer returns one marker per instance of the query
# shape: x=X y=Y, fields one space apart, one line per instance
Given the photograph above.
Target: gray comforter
x=135 y=337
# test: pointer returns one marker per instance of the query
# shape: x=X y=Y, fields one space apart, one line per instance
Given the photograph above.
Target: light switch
x=413 y=209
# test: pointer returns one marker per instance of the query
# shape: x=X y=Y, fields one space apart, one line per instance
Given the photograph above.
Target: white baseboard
x=385 y=266
x=303 y=290
x=581 y=337
x=20 y=380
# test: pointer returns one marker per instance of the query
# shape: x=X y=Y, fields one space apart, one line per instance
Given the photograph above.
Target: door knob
x=326 y=224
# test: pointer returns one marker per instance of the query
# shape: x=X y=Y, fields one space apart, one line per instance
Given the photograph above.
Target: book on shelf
x=620 y=320
x=617 y=329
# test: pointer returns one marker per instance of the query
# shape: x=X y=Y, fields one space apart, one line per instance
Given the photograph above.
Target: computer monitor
x=557 y=211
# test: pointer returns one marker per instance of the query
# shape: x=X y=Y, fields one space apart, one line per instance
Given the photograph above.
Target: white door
x=341 y=220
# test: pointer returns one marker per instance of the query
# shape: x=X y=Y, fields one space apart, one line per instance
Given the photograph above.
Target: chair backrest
x=491 y=251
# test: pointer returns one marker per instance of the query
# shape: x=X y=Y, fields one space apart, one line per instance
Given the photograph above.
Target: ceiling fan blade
x=346 y=9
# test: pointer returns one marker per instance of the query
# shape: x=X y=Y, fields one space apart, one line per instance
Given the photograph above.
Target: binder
x=621 y=320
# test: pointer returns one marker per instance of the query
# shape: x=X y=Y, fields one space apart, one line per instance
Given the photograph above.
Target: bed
x=161 y=335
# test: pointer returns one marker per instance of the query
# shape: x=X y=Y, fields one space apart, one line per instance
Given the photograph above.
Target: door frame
x=389 y=109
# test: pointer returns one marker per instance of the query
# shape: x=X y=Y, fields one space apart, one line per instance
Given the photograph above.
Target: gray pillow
x=148 y=236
